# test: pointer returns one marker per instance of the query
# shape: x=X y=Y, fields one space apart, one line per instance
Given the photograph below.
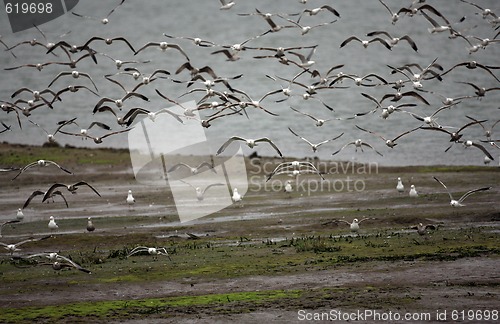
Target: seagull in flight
x=314 y=147
x=251 y=143
x=41 y=163
x=14 y=247
x=458 y=203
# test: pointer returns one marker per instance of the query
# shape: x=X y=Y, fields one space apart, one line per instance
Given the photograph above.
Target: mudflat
x=276 y=256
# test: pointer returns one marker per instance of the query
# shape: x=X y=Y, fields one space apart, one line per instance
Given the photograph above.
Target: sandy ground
x=266 y=213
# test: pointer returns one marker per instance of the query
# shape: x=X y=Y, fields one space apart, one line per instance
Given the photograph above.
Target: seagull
x=315 y=11
x=19 y=214
x=56 y=265
x=394 y=40
x=108 y=41
x=163 y=46
x=75 y=74
x=98 y=139
x=251 y=143
x=6 y=223
x=57 y=261
x=51 y=136
x=41 y=193
x=119 y=102
x=226 y=5
x=196 y=40
x=305 y=61
x=318 y=122
x=422 y=229
x=394 y=16
x=400 y=187
x=288 y=186
x=236 y=197
x=41 y=163
x=458 y=203
x=398 y=96
x=104 y=20
x=469 y=143
x=480 y=91
x=14 y=247
x=71 y=88
x=52 y=223
x=71 y=188
x=487 y=131
x=130 y=199
x=231 y=56
x=358 y=144
x=431 y=120
x=390 y=143
x=150 y=250
x=455 y=136
x=90 y=225
x=152 y=115
x=471 y=65
x=314 y=147
x=413 y=192
x=485 y=12
x=359 y=80
x=193 y=170
x=294 y=168
x=365 y=43
x=306 y=29
x=200 y=193
x=354 y=226
x=436 y=27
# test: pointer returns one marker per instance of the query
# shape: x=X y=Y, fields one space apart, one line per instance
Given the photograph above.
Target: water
x=141 y=22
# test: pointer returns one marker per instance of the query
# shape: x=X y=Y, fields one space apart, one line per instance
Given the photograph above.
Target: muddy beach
x=275 y=256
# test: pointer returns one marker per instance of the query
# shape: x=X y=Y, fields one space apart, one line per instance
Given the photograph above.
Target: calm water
x=144 y=21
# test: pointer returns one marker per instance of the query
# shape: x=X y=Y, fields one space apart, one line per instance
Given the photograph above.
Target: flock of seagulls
x=221 y=99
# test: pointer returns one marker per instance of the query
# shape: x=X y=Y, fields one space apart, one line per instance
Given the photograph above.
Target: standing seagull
x=90 y=225
x=458 y=203
x=413 y=192
x=20 y=214
x=52 y=223
x=236 y=196
x=130 y=199
x=400 y=186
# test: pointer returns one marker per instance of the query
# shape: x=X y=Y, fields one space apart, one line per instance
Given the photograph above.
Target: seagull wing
x=449 y=193
x=482 y=148
x=470 y=192
x=83 y=183
x=57 y=165
x=212 y=185
x=33 y=195
x=368 y=145
x=349 y=39
x=229 y=141
x=265 y=139
x=49 y=193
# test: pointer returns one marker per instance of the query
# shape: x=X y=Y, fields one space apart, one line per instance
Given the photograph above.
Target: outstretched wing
x=451 y=197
